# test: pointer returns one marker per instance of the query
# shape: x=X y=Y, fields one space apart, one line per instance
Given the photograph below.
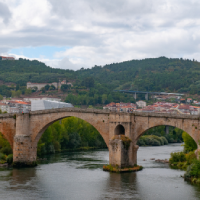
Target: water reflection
x=79 y=175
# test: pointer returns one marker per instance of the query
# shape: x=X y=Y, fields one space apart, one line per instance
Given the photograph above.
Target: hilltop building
x=6 y=58
x=41 y=85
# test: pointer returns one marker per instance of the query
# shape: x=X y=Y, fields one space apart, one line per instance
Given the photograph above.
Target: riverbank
x=186 y=162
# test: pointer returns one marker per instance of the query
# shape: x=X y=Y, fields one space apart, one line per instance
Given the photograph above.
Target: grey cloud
x=5 y=12
x=112 y=31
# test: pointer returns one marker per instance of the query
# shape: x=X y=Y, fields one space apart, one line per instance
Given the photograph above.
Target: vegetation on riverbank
x=187 y=160
x=116 y=168
x=156 y=136
x=69 y=134
x=6 y=156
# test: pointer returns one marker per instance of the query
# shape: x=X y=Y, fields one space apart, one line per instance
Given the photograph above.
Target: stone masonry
x=23 y=131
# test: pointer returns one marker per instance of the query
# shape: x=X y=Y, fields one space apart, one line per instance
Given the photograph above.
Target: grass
x=116 y=168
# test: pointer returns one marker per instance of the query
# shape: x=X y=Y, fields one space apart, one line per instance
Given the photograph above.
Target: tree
x=52 y=87
x=64 y=87
x=88 y=82
x=189 y=143
x=70 y=99
x=110 y=99
x=46 y=87
x=43 y=90
x=28 y=91
x=104 y=98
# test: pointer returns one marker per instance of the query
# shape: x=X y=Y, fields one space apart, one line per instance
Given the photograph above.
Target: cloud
x=100 y=32
x=62 y=64
x=5 y=13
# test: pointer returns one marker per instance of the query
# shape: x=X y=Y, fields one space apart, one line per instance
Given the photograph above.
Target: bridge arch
x=8 y=128
x=191 y=131
x=119 y=130
x=42 y=122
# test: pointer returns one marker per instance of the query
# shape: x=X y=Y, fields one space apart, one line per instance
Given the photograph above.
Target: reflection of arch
x=119 y=130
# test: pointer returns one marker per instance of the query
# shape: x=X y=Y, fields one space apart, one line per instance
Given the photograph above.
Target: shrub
x=2 y=156
x=190 y=157
x=141 y=142
x=156 y=142
x=148 y=140
x=164 y=140
x=9 y=159
x=177 y=157
x=193 y=170
x=6 y=150
x=189 y=143
x=154 y=137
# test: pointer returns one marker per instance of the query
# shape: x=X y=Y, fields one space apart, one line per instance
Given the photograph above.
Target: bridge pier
x=146 y=97
x=122 y=152
x=24 y=153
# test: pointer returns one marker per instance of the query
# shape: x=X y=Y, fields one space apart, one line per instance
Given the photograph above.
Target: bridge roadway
x=23 y=131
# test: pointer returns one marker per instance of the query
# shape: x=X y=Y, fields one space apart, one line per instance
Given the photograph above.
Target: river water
x=79 y=175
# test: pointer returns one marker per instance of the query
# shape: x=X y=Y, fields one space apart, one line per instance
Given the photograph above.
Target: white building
x=46 y=104
x=141 y=104
x=39 y=86
x=42 y=98
x=4 y=107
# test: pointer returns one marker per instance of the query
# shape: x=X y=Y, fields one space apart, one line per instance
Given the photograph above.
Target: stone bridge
x=23 y=131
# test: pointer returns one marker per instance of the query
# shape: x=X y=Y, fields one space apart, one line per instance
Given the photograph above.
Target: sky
x=83 y=33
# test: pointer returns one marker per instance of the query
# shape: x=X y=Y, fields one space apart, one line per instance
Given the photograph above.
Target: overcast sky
x=83 y=33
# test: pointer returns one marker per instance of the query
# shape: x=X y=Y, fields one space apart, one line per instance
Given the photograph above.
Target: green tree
x=189 y=143
x=104 y=98
x=46 y=87
x=88 y=82
x=28 y=91
x=64 y=87
x=52 y=87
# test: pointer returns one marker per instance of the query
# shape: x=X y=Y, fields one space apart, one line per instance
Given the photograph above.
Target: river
x=79 y=175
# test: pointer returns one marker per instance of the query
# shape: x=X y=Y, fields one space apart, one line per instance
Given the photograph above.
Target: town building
x=46 y=104
x=189 y=100
x=6 y=58
x=39 y=86
x=27 y=99
x=141 y=104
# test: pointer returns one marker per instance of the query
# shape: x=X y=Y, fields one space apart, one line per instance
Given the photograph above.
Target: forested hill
x=156 y=74
x=23 y=70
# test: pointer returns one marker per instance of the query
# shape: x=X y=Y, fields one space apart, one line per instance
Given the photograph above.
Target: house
x=6 y=58
x=149 y=108
x=141 y=104
x=189 y=100
x=4 y=107
x=184 y=108
x=182 y=100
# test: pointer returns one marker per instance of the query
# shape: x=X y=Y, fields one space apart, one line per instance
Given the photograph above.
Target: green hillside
x=23 y=70
x=96 y=85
